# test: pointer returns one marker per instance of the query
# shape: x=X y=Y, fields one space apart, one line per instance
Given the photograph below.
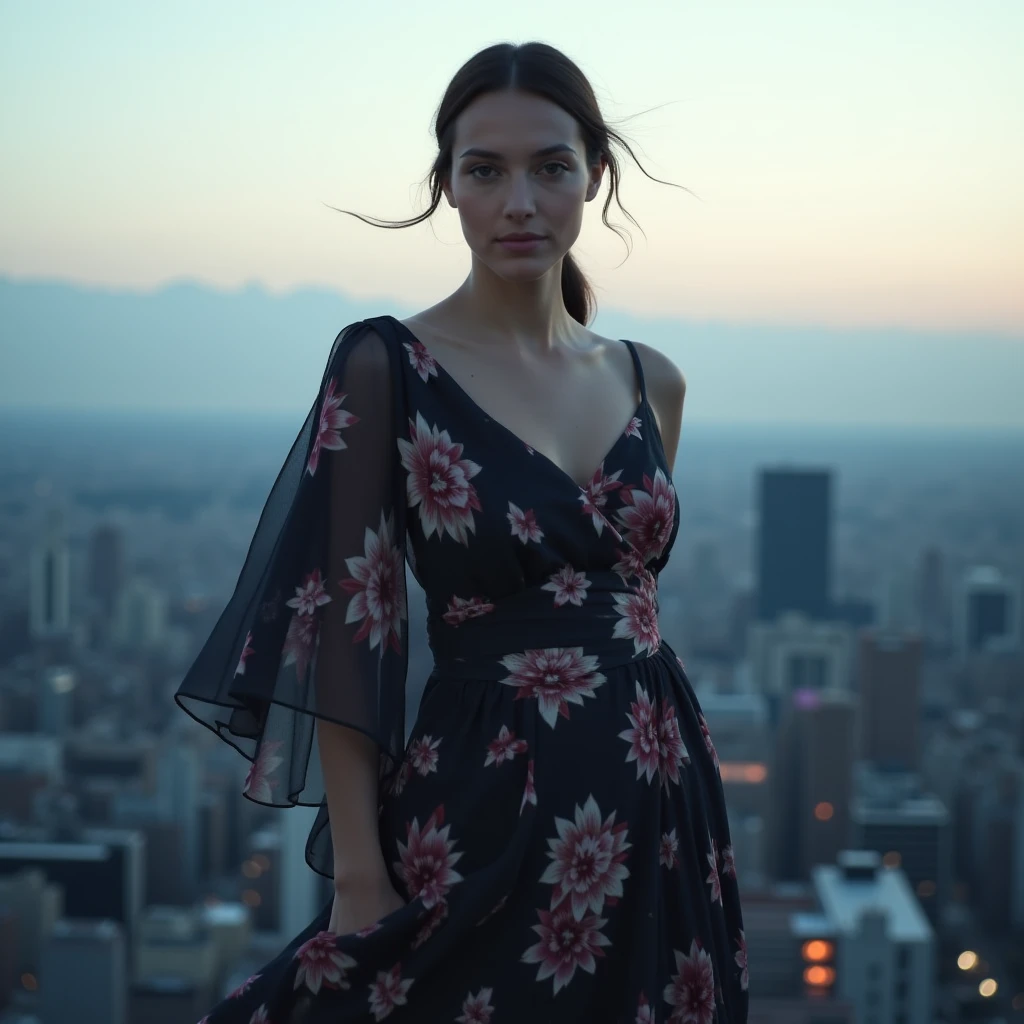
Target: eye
x=480 y=167
x=561 y=167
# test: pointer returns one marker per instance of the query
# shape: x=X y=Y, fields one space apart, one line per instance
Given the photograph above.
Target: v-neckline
x=470 y=400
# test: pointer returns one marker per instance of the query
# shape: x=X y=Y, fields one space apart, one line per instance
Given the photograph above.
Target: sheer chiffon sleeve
x=317 y=626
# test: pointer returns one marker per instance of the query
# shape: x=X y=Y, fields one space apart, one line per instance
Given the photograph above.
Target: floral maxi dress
x=556 y=820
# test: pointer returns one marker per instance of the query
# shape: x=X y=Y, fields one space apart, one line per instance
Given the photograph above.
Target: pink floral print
x=524 y=524
x=322 y=964
x=333 y=419
x=587 y=860
x=555 y=676
x=438 y=481
x=377 y=586
x=427 y=864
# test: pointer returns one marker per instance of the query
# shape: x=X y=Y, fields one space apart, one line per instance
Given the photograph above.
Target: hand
x=358 y=906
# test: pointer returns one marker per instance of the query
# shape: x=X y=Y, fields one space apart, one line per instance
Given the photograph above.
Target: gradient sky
x=858 y=162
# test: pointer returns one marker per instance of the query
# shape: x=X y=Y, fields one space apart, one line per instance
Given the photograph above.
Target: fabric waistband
x=477 y=638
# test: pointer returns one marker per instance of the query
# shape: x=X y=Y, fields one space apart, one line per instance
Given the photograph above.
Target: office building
x=84 y=975
x=909 y=828
x=794 y=556
x=889 y=686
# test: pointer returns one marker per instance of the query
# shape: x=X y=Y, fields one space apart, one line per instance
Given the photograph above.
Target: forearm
x=349 y=760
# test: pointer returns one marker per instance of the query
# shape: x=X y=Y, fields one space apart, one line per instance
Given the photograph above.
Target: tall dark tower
x=794 y=543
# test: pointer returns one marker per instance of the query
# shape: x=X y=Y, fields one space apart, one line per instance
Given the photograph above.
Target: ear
x=596 y=176
x=446 y=187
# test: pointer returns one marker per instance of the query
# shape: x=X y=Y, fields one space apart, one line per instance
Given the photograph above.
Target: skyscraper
x=889 y=672
x=812 y=782
x=50 y=581
x=794 y=543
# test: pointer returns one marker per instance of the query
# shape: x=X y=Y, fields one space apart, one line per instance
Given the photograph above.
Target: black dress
x=556 y=820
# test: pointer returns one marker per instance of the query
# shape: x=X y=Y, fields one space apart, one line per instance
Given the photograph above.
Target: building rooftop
x=860 y=883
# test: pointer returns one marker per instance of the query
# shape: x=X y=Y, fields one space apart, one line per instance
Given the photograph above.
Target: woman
x=552 y=843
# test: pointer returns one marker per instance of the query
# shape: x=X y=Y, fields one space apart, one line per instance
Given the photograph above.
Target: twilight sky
x=858 y=162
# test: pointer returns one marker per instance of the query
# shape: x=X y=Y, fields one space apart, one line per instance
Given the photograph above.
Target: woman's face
x=519 y=167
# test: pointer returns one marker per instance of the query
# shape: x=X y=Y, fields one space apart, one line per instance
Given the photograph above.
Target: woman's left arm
x=666 y=390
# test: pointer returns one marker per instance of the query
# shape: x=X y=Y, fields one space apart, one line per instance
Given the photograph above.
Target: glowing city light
x=892 y=859
x=988 y=987
x=823 y=811
x=819 y=976
x=817 y=949
x=967 y=960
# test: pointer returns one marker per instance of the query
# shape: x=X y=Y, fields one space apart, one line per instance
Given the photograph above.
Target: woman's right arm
x=362 y=549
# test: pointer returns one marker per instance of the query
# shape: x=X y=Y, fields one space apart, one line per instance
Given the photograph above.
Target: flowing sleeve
x=317 y=625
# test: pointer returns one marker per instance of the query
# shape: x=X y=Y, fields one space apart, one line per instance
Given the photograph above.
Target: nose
x=519 y=202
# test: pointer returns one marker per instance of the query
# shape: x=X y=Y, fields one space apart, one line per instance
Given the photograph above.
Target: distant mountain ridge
x=191 y=347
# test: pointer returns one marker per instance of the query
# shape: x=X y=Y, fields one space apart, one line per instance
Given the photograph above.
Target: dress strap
x=638 y=366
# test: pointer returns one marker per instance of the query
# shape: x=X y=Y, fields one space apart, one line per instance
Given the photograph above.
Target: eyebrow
x=489 y=154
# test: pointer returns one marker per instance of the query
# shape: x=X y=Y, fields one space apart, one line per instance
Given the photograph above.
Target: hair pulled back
x=542 y=70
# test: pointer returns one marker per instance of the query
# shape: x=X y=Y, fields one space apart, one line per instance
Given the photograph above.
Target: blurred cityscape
x=848 y=607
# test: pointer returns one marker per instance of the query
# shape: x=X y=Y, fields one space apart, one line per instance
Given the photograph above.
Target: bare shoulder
x=666 y=389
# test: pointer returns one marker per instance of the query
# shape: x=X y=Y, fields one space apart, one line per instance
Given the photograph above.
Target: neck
x=529 y=314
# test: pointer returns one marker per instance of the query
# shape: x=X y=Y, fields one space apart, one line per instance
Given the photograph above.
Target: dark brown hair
x=544 y=71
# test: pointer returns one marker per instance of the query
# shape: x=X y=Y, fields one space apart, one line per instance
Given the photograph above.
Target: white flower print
x=332 y=420
x=504 y=747
x=565 y=944
x=477 y=1009
x=728 y=861
x=713 y=880
x=462 y=608
x=258 y=784
x=654 y=740
x=644 y=1011
x=299 y=642
x=691 y=992
x=638 y=611
x=261 y=1015
x=529 y=790
x=587 y=860
x=246 y=651
x=427 y=860
x=377 y=586
x=556 y=676
x=310 y=596
x=434 y=918
x=643 y=737
x=594 y=496
x=568 y=585
x=741 y=961
x=671 y=748
x=322 y=964
x=401 y=777
x=668 y=855
x=421 y=360
x=630 y=564
x=524 y=524
x=423 y=754
x=633 y=430
x=388 y=991
x=707 y=741
x=438 y=481
x=648 y=515
x=368 y=930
